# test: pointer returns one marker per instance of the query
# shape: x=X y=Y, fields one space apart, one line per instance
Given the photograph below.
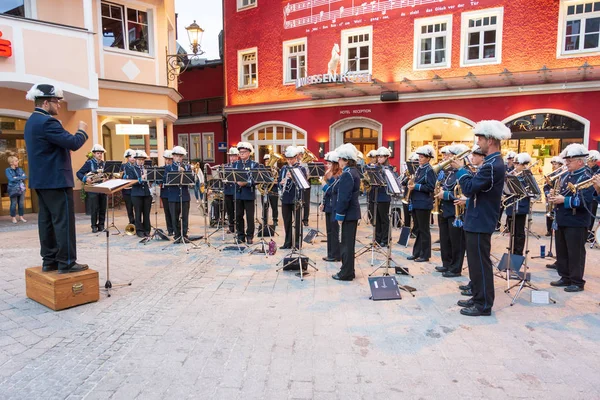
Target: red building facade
x=200 y=127
x=401 y=74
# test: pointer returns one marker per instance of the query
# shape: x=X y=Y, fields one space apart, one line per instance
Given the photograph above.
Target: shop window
x=580 y=27
x=124 y=28
x=208 y=147
x=245 y=4
x=275 y=137
x=433 y=42
x=248 y=69
x=294 y=56
x=357 y=50
x=13 y=7
x=482 y=37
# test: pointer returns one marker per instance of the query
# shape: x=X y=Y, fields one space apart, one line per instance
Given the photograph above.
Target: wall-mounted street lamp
x=177 y=64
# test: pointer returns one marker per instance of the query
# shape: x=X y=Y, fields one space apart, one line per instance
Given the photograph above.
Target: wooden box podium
x=60 y=291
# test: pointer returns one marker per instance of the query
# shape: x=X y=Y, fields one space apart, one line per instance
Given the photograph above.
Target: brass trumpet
x=580 y=186
x=438 y=167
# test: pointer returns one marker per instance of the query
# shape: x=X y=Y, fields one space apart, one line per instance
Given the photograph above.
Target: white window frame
x=241 y=54
x=465 y=30
x=344 y=62
x=183 y=140
x=286 y=54
x=242 y=7
x=442 y=19
x=151 y=30
x=563 y=18
x=192 y=150
x=206 y=146
x=272 y=126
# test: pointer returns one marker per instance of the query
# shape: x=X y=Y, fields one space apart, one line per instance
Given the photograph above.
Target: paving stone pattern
x=213 y=324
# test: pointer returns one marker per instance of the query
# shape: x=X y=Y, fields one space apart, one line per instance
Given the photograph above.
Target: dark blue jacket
x=126 y=192
x=448 y=185
x=90 y=165
x=164 y=190
x=327 y=194
x=49 y=148
x=174 y=192
x=347 y=207
x=228 y=187
x=522 y=205
x=245 y=192
x=484 y=190
x=574 y=211
x=421 y=196
x=15 y=176
x=288 y=192
x=141 y=188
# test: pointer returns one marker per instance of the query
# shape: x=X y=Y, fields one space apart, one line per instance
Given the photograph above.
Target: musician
x=96 y=201
x=572 y=219
x=306 y=193
x=372 y=155
x=245 y=194
x=347 y=208
x=272 y=200
x=164 y=193
x=521 y=163
x=128 y=156
x=332 y=227
x=484 y=190
x=452 y=243
x=229 y=191
x=510 y=166
x=556 y=162
x=140 y=193
x=382 y=220
x=290 y=196
x=179 y=197
x=414 y=157
x=49 y=148
x=421 y=204
x=592 y=163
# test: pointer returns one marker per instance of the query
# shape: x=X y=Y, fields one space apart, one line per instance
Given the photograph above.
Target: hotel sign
x=334 y=78
x=5 y=47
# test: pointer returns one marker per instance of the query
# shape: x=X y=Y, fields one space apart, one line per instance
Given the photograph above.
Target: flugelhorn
x=438 y=167
x=580 y=186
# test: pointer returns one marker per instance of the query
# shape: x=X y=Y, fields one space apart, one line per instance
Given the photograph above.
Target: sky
x=209 y=15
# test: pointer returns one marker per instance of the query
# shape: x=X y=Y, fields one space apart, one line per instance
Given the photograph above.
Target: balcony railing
x=201 y=108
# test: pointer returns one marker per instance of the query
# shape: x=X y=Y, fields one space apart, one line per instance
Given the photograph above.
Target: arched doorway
x=364 y=139
x=273 y=136
x=364 y=133
x=12 y=142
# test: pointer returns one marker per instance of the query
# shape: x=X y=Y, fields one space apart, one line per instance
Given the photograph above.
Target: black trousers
x=347 y=246
x=247 y=207
x=407 y=215
x=176 y=209
x=287 y=211
x=519 y=233
x=480 y=269
x=306 y=205
x=549 y=224
x=333 y=237
x=230 y=211
x=142 y=206
x=382 y=223
x=129 y=208
x=422 y=246
x=594 y=210
x=272 y=204
x=168 y=218
x=570 y=254
x=452 y=244
x=56 y=227
x=499 y=225
x=371 y=211
x=97 y=202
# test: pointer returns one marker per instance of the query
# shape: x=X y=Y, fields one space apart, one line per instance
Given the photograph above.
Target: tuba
x=308 y=156
x=275 y=158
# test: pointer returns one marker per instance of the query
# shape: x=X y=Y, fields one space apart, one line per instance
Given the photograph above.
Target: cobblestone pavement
x=213 y=324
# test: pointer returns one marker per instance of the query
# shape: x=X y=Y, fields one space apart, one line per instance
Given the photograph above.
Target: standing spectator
x=16 y=188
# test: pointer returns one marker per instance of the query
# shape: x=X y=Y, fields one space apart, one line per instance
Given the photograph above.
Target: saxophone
x=436 y=200
x=411 y=181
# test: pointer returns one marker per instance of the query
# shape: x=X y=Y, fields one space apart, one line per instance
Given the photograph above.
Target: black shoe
x=338 y=278
x=421 y=259
x=285 y=247
x=305 y=223
x=474 y=312
x=329 y=259
x=466 y=303
x=170 y=234
x=467 y=292
x=274 y=223
x=449 y=274
x=548 y=234
x=240 y=239
x=249 y=240
x=464 y=287
x=441 y=269
x=141 y=234
x=94 y=229
x=73 y=268
x=49 y=267
x=177 y=240
x=574 y=288
x=100 y=228
x=410 y=258
x=560 y=283
x=551 y=266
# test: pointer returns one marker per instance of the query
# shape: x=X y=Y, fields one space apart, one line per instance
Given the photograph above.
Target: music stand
x=261 y=176
x=376 y=181
x=317 y=170
x=147 y=164
x=153 y=175
x=233 y=175
x=112 y=167
x=181 y=178
x=110 y=187
x=296 y=255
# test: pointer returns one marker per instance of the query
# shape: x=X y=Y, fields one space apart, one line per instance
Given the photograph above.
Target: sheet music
x=114 y=183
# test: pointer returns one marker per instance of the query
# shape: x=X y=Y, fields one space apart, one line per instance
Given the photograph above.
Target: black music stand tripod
x=317 y=170
x=180 y=179
x=112 y=167
x=296 y=255
x=233 y=175
x=154 y=175
x=375 y=180
x=262 y=176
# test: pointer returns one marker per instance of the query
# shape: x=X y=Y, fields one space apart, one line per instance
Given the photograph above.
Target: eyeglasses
x=56 y=101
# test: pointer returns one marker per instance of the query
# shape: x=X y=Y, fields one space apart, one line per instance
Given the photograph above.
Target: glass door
x=14 y=144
